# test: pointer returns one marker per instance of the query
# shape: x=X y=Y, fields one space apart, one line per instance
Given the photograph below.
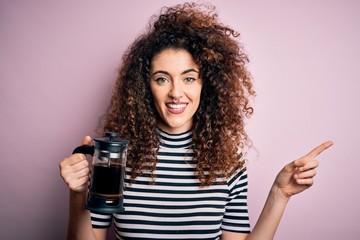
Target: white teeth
x=176 y=106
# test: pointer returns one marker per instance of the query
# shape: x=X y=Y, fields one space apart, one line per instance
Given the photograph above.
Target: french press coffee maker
x=108 y=173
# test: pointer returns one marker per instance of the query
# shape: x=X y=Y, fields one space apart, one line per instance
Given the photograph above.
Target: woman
x=181 y=98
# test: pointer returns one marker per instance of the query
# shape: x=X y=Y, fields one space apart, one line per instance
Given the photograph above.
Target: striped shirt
x=176 y=207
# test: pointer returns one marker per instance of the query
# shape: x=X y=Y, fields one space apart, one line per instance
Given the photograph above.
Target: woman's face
x=176 y=89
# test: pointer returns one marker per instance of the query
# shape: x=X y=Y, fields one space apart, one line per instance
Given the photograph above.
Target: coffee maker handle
x=85 y=149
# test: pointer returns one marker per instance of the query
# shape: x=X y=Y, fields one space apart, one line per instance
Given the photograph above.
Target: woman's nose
x=176 y=90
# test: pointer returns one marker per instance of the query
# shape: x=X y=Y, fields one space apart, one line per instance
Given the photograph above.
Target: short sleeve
x=100 y=220
x=236 y=217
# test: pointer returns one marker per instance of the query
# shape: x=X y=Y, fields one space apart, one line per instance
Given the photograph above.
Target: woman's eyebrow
x=160 y=71
x=167 y=73
x=189 y=70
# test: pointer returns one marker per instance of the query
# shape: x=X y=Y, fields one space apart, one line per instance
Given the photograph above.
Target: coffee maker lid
x=109 y=141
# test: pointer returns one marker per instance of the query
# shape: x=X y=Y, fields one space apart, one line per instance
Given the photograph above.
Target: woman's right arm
x=294 y=178
x=75 y=172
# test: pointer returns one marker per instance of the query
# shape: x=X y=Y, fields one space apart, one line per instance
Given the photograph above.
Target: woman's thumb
x=86 y=140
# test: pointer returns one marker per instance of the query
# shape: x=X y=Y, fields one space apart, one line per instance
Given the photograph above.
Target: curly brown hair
x=218 y=125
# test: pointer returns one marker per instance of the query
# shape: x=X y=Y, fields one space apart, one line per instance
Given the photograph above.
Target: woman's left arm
x=294 y=178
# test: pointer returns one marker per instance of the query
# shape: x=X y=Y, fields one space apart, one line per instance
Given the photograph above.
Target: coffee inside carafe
x=106 y=182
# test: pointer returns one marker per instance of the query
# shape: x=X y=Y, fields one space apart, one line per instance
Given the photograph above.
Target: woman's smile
x=176 y=108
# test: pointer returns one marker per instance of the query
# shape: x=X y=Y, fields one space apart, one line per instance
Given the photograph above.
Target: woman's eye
x=160 y=80
x=190 y=79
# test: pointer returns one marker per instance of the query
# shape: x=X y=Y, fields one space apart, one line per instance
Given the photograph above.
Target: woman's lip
x=176 y=108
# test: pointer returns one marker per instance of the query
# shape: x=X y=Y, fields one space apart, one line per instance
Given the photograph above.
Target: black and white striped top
x=175 y=207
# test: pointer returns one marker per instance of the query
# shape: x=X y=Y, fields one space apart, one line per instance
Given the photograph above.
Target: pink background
x=58 y=60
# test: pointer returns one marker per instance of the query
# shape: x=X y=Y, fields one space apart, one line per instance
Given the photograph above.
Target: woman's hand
x=298 y=175
x=75 y=170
